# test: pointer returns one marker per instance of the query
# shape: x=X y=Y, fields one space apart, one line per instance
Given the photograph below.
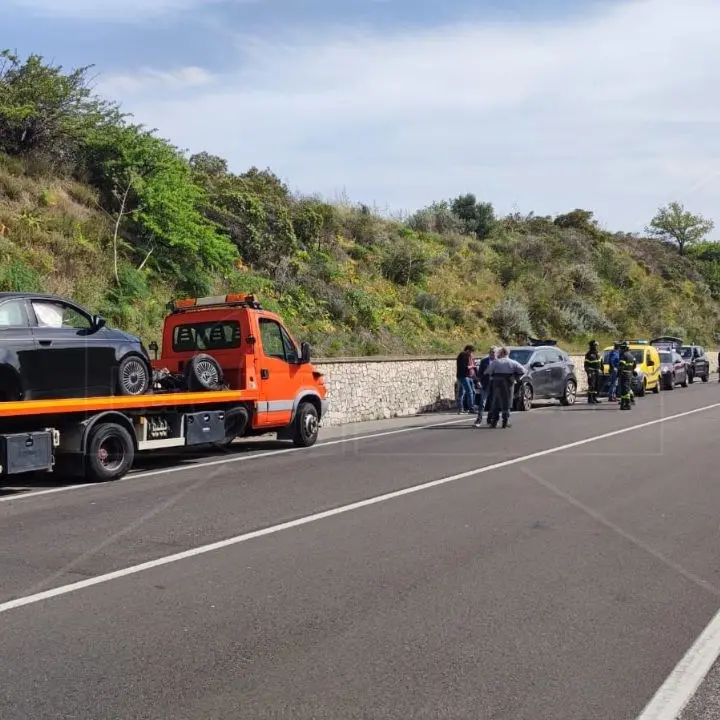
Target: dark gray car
x=549 y=374
x=697 y=362
x=673 y=370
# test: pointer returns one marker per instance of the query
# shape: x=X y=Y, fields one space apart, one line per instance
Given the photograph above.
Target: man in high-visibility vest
x=593 y=366
x=626 y=367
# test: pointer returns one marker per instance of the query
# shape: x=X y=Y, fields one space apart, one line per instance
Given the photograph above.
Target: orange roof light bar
x=213 y=301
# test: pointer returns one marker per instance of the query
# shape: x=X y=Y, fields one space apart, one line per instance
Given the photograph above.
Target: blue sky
x=541 y=106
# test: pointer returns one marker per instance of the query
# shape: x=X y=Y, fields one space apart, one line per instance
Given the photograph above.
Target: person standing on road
x=613 y=360
x=503 y=371
x=626 y=366
x=592 y=370
x=464 y=376
x=485 y=385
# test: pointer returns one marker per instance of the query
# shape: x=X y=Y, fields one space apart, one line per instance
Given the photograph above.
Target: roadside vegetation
x=98 y=208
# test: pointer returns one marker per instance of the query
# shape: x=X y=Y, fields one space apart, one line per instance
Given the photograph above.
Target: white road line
x=274 y=529
x=227 y=461
x=682 y=683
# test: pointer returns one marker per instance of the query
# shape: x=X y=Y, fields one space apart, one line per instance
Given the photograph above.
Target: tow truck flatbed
x=24 y=408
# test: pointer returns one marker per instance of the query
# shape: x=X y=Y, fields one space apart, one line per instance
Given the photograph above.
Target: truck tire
x=134 y=376
x=307 y=425
x=109 y=454
x=203 y=372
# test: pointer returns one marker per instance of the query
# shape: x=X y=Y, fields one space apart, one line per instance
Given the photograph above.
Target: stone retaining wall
x=377 y=388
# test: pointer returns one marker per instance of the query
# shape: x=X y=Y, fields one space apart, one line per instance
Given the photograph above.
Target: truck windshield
x=666 y=358
x=222 y=335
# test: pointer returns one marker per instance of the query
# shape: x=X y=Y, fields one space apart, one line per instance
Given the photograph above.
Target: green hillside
x=97 y=208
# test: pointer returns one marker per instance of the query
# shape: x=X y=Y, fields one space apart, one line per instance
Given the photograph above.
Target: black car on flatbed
x=51 y=347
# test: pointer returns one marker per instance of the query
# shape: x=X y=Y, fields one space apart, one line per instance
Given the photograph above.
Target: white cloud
x=617 y=112
x=129 y=11
x=147 y=79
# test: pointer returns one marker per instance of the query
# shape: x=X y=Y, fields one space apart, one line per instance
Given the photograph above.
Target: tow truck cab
x=257 y=354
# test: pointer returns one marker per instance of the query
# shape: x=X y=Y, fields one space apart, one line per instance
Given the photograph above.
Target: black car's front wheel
x=570 y=393
x=134 y=376
x=526 y=398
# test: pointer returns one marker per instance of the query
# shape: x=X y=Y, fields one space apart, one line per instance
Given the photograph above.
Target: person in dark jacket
x=503 y=371
x=593 y=368
x=485 y=385
x=464 y=376
x=626 y=367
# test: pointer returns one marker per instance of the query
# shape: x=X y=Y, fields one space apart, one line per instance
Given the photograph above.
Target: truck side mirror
x=304 y=353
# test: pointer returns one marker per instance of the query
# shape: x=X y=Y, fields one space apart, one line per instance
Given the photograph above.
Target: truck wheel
x=134 y=376
x=110 y=452
x=656 y=387
x=307 y=425
x=706 y=377
x=203 y=372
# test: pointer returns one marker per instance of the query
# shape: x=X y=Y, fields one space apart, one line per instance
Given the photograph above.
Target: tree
x=676 y=224
x=478 y=218
x=577 y=219
x=44 y=110
x=148 y=181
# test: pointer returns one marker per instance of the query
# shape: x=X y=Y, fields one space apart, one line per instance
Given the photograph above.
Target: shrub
x=511 y=320
x=404 y=262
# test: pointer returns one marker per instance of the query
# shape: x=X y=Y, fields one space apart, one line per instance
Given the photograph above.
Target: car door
x=278 y=364
x=558 y=371
x=17 y=346
x=69 y=360
x=540 y=373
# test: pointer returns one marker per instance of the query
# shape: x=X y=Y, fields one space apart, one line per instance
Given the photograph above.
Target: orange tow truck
x=227 y=369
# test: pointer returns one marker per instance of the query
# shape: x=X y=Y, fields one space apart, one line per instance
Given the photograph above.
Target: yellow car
x=648 y=366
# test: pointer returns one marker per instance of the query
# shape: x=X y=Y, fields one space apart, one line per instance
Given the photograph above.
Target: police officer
x=626 y=366
x=592 y=369
x=504 y=372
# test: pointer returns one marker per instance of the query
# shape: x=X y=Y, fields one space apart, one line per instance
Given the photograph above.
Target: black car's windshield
x=666 y=358
x=521 y=356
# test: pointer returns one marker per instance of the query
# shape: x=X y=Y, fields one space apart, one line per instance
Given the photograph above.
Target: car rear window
x=206 y=336
x=666 y=357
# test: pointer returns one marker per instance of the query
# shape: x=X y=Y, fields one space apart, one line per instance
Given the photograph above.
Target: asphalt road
x=488 y=584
